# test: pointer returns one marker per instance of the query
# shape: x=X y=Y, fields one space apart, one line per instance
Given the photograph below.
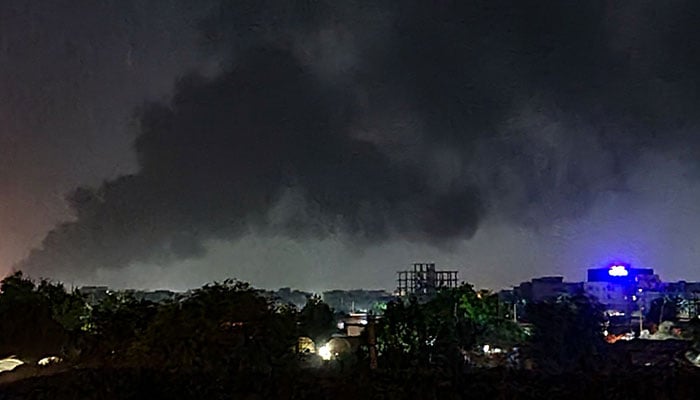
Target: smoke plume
x=412 y=121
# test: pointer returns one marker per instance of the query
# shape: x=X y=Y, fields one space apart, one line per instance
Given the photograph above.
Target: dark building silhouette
x=424 y=280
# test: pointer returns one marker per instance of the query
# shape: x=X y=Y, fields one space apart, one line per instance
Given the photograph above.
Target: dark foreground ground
x=641 y=383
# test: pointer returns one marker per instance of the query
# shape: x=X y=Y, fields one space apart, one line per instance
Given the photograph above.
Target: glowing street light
x=325 y=352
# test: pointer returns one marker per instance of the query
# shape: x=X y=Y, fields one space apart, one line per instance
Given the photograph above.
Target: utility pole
x=372 y=341
x=640 y=300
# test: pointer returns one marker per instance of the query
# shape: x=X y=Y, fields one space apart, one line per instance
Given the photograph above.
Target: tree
x=115 y=323
x=567 y=333
x=316 y=320
x=220 y=327
x=662 y=309
x=456 y=320
x=402 y=335
x=67 y=308
x=37 y=319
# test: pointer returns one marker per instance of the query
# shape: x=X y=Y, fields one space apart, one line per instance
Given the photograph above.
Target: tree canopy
x=37 y=319
x=441 y=330
x=316 y=320
x=567 y=333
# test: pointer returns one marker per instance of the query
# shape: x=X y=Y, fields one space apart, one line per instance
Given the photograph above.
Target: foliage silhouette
x=37 y=319
x=115 y=324
x=316 y=320
x=221 y=327
x=444 y=329
x=567 y=334
x=662 y=309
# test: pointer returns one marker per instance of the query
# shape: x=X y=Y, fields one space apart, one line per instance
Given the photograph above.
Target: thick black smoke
x=227 y=150
x=409 y=120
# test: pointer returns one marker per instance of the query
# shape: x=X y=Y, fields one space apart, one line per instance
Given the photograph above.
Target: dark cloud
x=72 y=72
x=409 y=120
x=223 y=153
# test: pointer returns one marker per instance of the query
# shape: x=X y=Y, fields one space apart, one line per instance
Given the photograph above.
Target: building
x=630 y=296
x=424 y=280
x=155 y=296
x=623 y=289
x=545 y=288
x=94 y=294
x=294 y=297
x=613 y=296
x=622 y=274
x=631 y=293
x=357 y=300
x=353 y=324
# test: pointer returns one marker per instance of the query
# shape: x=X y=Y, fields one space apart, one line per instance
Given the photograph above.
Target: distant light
x=615 y=313
x=634 y=298
x=486 y=348
x=341 y=325
x=618 y=270
x=49 y=360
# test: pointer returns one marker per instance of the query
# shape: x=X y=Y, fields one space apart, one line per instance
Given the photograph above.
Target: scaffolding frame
x=424 y=279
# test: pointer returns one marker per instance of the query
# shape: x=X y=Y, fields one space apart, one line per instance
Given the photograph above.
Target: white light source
x=618 y=270
x=486 y=348
x=49 y=360
x=10 y=363
x=325 y=352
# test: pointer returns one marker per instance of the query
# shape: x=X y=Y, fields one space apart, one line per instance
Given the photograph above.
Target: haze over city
x=326 y=144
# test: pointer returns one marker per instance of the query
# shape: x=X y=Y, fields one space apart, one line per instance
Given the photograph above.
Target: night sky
x=327 y=144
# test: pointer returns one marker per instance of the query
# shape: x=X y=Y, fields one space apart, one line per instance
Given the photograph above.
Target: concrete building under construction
x=424 y=280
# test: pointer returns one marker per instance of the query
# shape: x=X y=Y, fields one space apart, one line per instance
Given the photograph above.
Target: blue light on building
x=619 y=273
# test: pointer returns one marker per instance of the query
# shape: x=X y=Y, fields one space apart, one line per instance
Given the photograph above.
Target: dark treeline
x=228 y=340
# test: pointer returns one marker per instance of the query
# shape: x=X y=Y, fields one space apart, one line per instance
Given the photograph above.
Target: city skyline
x=615 y=269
